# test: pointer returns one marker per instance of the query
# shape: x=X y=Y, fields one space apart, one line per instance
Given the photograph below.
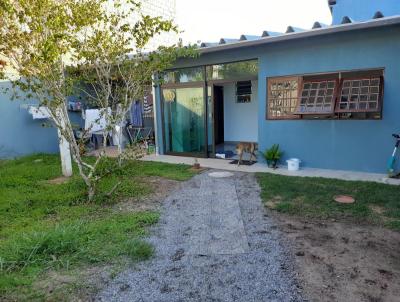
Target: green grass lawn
x=46 y=227
x=313 y=198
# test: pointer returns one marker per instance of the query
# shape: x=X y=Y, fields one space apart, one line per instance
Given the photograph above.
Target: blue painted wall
x=239 y=122
x=360 y=145
x=19 y=133
x=362 y=10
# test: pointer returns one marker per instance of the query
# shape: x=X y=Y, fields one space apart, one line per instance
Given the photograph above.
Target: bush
x=273 y=155
x=138 y=249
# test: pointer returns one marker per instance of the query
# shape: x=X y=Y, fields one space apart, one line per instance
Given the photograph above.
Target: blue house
x=328 y=95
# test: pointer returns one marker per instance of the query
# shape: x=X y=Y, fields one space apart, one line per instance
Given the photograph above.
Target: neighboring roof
x=293 y=33
x=362 y=10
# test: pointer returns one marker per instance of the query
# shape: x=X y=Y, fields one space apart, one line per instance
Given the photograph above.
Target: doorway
x=223 y=149
x=234 y=120
x=218 y=115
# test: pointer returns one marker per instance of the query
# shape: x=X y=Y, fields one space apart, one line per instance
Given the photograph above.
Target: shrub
x=273 y=155
x=138 y=249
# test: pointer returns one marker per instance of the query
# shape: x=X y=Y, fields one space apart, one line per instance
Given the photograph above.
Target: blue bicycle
x=392 y=160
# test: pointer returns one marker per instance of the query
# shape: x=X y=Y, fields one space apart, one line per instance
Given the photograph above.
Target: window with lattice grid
x=283 y=94
x=317 y=97
x=360 y=95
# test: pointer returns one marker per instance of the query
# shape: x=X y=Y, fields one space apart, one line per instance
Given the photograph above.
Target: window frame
x=209 y=71
x=243 y=95
x=353 y=78
x=171 y=81
x=334 y=96
x=270 y=81
x=336 y=113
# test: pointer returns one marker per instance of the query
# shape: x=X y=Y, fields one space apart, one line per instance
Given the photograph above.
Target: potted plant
x=273 y=155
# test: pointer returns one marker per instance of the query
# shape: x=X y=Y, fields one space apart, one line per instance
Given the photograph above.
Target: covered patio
x=203 y=111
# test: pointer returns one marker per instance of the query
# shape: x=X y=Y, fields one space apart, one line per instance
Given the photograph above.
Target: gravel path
x=214 y=242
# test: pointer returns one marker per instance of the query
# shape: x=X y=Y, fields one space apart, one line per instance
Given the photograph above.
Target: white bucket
x=293 y=164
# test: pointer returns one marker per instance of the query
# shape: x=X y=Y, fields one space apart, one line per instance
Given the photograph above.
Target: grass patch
x=49 y=226
x=138 y=250
x=313 y=197
x=178 y=172
x=76 y=242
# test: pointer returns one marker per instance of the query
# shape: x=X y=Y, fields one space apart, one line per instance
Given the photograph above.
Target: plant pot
x=196 y=166
x=273 y=164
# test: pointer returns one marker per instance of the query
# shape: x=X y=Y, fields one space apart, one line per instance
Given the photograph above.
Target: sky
x=210 y=20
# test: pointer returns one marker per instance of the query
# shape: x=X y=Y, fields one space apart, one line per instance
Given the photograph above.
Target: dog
x=247 y=147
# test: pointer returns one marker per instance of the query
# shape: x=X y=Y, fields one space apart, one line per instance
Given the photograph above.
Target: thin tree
x=90 y=47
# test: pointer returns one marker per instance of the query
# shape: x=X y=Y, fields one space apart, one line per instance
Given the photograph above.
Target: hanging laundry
x=95 y=120
x=148 y=104
x=136 y=114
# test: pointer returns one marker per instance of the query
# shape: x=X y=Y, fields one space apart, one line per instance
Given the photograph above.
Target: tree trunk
x=65 y=155
x=91 y=192
x=90 y=184
x=65 y=152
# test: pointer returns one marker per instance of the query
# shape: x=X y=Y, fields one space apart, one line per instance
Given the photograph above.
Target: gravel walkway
x=214 y=242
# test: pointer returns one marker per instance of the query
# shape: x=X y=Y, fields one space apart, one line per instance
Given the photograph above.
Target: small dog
x=243 y=147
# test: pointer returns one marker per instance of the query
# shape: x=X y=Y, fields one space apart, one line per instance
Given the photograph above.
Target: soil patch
x=340 y=261
x=161 y=187
x=58 y=180
x=77 y=285
x=198 y=170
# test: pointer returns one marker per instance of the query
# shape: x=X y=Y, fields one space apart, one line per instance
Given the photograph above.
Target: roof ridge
x=348 y=24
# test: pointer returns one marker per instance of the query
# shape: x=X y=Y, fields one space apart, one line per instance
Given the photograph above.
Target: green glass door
x=184 y=121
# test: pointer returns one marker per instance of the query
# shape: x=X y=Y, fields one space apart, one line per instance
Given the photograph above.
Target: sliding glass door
x=188 y=105
x=184 y=120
